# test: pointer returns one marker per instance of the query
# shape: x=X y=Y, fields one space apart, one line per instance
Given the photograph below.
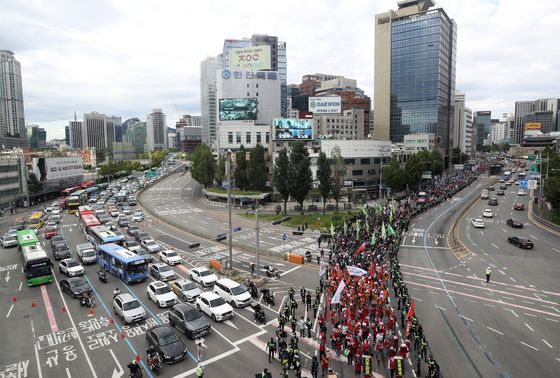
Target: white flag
x=355 y=271
x=336 y=296
x=322 y=268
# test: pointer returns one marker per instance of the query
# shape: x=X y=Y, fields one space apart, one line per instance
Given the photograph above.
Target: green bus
x=37 y=265
x=26 y=238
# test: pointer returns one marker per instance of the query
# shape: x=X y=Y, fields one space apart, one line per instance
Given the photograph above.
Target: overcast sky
x=126 y=57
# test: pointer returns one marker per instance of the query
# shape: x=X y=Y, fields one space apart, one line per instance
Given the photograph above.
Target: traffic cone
x=14 y=299
x=137 y=358
x=111 y=321
x=122 y=335
x=90 y=312
x=63 y=309
x=33 y=303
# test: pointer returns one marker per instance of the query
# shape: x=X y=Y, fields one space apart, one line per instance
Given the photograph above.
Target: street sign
x=531 y=157
x=283 y=236
x=316 y=234
x=523 y=184
x=236 y=229
x=532 y=184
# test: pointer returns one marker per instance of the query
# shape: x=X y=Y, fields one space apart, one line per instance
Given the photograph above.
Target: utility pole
x=228 y=169
x=258 y=237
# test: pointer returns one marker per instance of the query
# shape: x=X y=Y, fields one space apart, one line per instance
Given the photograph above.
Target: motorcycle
x=308 y=256
x=102 y=276
x=135 y=370
x=154 y=363
x=271 y=271
x=268 y=297
x=260 y=316
x=253 y=290
x=87 y=301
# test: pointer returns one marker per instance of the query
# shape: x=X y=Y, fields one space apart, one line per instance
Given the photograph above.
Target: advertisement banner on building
x=292 y=128
x=534 y=126
x=325 y=105
x=254 y=58
x=238 y=109
x=51 y=169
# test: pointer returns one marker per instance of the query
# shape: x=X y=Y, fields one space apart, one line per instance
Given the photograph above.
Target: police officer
x=271 y=347
x=431 y=366
x=424 y=348
x=315 y=309
x=488 y=272
x=308 y=325
x=264 y=373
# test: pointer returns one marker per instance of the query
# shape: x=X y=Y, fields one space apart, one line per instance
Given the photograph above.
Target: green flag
x=383 y=232
x=367 y=226
x=373 y=241
x=378 y=210
x=390 y=230
x=332 y=229
x=345 y=227
x=357 y=229
x=363 y=210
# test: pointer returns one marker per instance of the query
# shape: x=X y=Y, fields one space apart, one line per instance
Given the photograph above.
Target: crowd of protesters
x=368 y=315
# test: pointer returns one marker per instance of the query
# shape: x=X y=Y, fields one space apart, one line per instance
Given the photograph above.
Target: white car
x=138 y=217
x=487 y=213
x=71 y=267
x=477 y=223
x=214 y=306
x=170 y=257
x=203 y=276
x=186 y=289
x=8 y=240
x=161 y=294
x=150 y=245
x=55 y=211
x=521 y=193
x=128 y=308
x=114 y=212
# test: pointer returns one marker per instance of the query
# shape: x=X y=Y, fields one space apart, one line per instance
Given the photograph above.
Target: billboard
x=256 y=58
x=51 y=169
x=293 y=129
x=325 y=105
x=238 y=109
x=535 y=126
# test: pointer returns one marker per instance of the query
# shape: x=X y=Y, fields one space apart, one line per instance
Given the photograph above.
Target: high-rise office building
x=76 y=138
x=481 y=123
x=208 y=101
x=67 y=135
x=36 y=137
x=136 y=134
x=522 y=108
x=12 y=117
x=467 y=134
x=94 y=131
x=462 y=131
x=414 y=87
x=113 y=128
x=156 y=131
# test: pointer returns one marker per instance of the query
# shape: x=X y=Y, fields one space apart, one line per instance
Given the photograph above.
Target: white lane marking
x=513 y=279
x=441 y=308
x=513 y=312
x=291 y=270
x=19 y=289
x=495 y=246
x=464 y=317
x=557 y=250
x=482 y=233
x=530 y=346
x=533 y=237
x=10 y=311
x=546 y=342
x=236 y=343
x=36 y=351
x=501 y=271
x=68 y=373
x=118 y=371
x=495 y=330
x=552 y=320
x=528 y=326
x=532 y=315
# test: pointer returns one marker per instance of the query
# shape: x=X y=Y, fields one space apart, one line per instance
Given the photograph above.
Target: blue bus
x=127 y=265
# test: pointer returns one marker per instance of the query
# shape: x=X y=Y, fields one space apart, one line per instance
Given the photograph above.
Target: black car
x=491 y=188
x=188 y=320
x=514 y=223
x=493 y=202
x=133 y=230
x=57 y=239
x=61 y=250
x=103 y=218
x=521 y=242
x=143 y=236
x=503 y=187
x=501 y=192
x=17 y=226
x=75 y=286
x=166 y=343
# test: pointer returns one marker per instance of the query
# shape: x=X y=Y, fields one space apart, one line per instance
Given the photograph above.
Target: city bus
x=26 y=238
x=76 y=200
x=87 y=184
x=87 y=221
x=422 y=197
x=121 y=262
x=100 y=235
x=83 y=210
x=37 y=265
x=91 y=191
x=66 y=192
x=36 y=221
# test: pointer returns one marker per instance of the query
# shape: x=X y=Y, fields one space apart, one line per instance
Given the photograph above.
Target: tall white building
x=12 y=117
x=13 y=177
x=94 y=131
x=348 y=125
x=499 y=131
x=208 y=101
x=156 y=129
x=419 y=142
x=75 y=130
x=467 y=136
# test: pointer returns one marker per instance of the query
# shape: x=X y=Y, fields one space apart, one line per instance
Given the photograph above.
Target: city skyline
x=114 y=65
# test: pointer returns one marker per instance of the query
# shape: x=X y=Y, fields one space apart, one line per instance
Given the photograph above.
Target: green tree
x=413 y=170
x=338 y=168
x=324 y=177
x=393 y=176
x=33 y=184
x=256 y=171
x=437 y=163
x=299 y=175
x=280 y=175
x=203 y=165
x=240 y=173
x=220 y=174
x=552 y=182
x=156 y=157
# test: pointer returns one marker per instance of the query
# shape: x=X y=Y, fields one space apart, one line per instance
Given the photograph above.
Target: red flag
x=362 y=248
x=411 y=310
x=371 y=269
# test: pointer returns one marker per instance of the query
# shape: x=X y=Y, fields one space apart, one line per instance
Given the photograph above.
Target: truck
x=86 y=253
x=484 y=194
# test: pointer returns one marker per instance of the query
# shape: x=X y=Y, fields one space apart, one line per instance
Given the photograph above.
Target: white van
x=232 y=292
x=86 y=253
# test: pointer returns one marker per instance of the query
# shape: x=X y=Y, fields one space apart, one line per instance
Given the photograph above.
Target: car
x=8 y=240
x=126 y=210
x=234 y=293
x=520 y=192
x=138 y=217
x=161 y=294
x=166 y=343
x=48 y=209
x=493 y=201
x=70 y=267
x=75 y=286
x=142 y=235
x=503 y=187
x=214 y=306
x=502 y=180
x=162 y=272
x=56 y=218
x=50 y=224
x=150 y=245
x=203 y=276
x=99 y=209
x=56 y=239
x=103 y=218
x=501 y=192
x=491 y=188
x=188 y=320
x=170 y=257
x=508 y=183
x=56 y=211
x=477 y=223
x=516 y=182
x=520 y=242
x=131 y=245
x=114 y=212
x=185 y=289
x=51 y=231
x=18 y=226
x=487 y=213
x=61 y=250
x=132 y=230
x=514 y=223
x=123 y=221
x=128 y=308
x=145 y=254
x=86 y=253
x=518 y=206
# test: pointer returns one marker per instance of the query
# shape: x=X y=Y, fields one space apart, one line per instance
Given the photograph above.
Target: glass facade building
x=423 y=56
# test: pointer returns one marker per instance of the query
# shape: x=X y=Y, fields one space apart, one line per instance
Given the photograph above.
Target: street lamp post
x=228 y=169
x=258 y=237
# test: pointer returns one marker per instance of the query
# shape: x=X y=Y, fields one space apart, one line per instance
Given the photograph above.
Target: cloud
x=127 y=57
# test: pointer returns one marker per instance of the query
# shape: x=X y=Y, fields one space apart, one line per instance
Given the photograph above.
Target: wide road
x=507 y=327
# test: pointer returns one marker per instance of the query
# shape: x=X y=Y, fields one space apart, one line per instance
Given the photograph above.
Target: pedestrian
x=308 y=325
x=315 y=309
x=488 y=272
x=324 y=365
x=271 y=347
x=302 y=293
x=199 y=351
x=302 y=327
x=308 y=300
x=314 y=367
x=199 y=371
x=293 y=324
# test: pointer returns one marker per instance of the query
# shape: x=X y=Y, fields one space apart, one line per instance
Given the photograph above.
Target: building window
x=248 y=94
x=248 y=137
x=259 y=137
x=238 y=137
x=267 y=137
x=357 y=172
x=257 y=94
x=230 y=137
x=371 y=172
x=376 y=161
x=364 y=161
x=349 y=161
